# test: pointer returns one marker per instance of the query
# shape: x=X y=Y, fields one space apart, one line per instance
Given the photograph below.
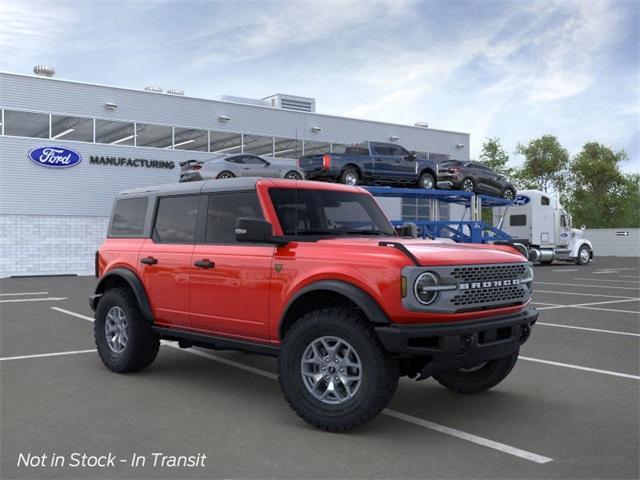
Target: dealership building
x=53 y=219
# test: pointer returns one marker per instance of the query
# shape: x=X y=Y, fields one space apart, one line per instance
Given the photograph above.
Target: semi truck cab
x=538 y=220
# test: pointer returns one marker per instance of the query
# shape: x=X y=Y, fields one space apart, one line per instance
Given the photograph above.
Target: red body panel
x=248 y=291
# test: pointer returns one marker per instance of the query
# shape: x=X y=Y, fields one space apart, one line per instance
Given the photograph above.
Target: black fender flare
x=362 y=299
x=134 y=283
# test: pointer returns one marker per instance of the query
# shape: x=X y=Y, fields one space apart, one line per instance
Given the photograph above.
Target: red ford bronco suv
x=314 y=274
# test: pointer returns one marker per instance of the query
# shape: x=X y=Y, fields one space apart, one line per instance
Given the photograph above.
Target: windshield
x=327 y=212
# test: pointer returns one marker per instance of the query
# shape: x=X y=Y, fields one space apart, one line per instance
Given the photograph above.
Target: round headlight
x=423 y=288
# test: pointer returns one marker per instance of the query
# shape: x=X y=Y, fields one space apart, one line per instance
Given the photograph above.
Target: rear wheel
x=225 y=174
x=468 y=185
x=333 y=370
x=509 y=194
x=584 y=255
x=124 y=338
x=427 y=181
x=293 y=175
x=350 y=176
x=478 y=378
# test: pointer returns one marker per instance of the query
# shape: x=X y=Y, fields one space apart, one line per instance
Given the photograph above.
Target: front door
x=256 y=167
x=165 y=260
x=230 y=281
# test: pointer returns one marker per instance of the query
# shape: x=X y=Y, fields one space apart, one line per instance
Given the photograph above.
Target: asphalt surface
x=576 y=417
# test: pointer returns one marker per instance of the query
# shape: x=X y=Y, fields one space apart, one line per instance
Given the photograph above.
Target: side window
x=238 y=159
x=399 y=151
x=544 y=201
x=224 y=210
x=128 y=217
x=381 y=149
x=518 y=220
x=176 y=219
x=563 y=220
x=250 y=159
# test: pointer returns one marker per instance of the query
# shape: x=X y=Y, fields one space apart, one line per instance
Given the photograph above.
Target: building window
x=258 y=145
x=26 y=124
x=190 y=139
x=225 y=143
x=315 y=148
x=114 y=133
x=287 y=148
x=71 y=128
x=157 y=136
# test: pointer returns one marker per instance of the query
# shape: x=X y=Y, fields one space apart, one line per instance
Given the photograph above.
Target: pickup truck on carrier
x=314 y=274
x=372 y=163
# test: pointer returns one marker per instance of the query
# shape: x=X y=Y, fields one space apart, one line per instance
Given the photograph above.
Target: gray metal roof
x=205 y=186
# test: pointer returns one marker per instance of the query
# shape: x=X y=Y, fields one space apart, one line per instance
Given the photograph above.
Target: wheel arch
x=334 y=293
x=354 y=166
x=429 y=170
x=123 y=277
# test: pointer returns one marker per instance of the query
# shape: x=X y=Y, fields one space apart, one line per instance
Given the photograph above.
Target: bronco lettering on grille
x=494 y=283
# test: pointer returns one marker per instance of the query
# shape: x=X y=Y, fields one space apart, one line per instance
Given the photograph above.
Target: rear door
x=165 y=259
x=383 y=161
x=230 y=281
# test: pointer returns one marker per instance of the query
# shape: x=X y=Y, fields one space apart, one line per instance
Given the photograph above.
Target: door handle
x=204 y=264
x=149 y=260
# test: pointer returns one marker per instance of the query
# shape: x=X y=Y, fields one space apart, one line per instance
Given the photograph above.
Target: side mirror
x=412 y=156
x=256 y=230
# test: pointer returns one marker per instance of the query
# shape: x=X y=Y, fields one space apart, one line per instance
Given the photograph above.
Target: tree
x=601 y=196
x=495 y=157
x=545 y=164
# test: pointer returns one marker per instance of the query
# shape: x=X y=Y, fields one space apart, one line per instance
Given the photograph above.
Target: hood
x=438 y=252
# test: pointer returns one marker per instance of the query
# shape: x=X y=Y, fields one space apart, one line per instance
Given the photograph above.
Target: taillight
x=196 y=167
x=326 y=161
x=298 y=163
x=454 y=170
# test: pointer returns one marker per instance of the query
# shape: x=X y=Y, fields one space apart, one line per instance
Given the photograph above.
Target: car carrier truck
x=538 y=221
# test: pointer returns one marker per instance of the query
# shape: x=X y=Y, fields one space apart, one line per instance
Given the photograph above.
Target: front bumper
x=460 y=344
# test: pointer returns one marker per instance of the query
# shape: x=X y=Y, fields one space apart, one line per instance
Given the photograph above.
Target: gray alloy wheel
x=115 y=329
x=427 y=181
x=293 y=175
x=225 y=174
x=331 y=370
x=584 y=255
x=508 y=194
x=350 y=178
x=467 y=185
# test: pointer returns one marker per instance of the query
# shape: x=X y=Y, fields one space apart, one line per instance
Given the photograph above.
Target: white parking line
x=579 y=367
x=588 y=286
x=598 y=330
x=628 y=276
x=579 y=294
x=567 y=270
x=485 y=442
x=633 y=312
x=604 y=272
x=607 y=280
x=516 y=452
x=41 y=355
x=578 y=305
x=23 y=293
x=73 y=314
x=47 y=299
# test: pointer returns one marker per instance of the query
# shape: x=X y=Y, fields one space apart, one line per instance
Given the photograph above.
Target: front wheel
x=478 y=378
x=468 y=185
x=509 y=194
x=333 y=370
x=584 y=255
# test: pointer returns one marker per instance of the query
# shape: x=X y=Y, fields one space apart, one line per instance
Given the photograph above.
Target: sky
x=514 y=70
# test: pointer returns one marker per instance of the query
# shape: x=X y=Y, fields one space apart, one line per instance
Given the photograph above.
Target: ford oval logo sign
x=55 y=157
x=521 y=200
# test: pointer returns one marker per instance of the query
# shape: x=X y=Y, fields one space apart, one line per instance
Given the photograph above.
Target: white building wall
x=612 y=241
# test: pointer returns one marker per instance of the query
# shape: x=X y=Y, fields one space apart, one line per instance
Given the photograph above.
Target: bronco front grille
x=483 y=273
x=494 y=295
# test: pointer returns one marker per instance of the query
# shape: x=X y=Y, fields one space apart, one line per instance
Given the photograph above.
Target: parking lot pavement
x=568 y=410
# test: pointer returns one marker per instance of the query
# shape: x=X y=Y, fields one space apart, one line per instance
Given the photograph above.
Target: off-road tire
x=225 y=174
x=579 y=260
x=487 y=377
x=346 y=173
x=426 y=177
x=379 y=372
x=142 y=344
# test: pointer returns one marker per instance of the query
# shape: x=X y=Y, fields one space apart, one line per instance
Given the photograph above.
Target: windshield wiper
x=364 y=232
